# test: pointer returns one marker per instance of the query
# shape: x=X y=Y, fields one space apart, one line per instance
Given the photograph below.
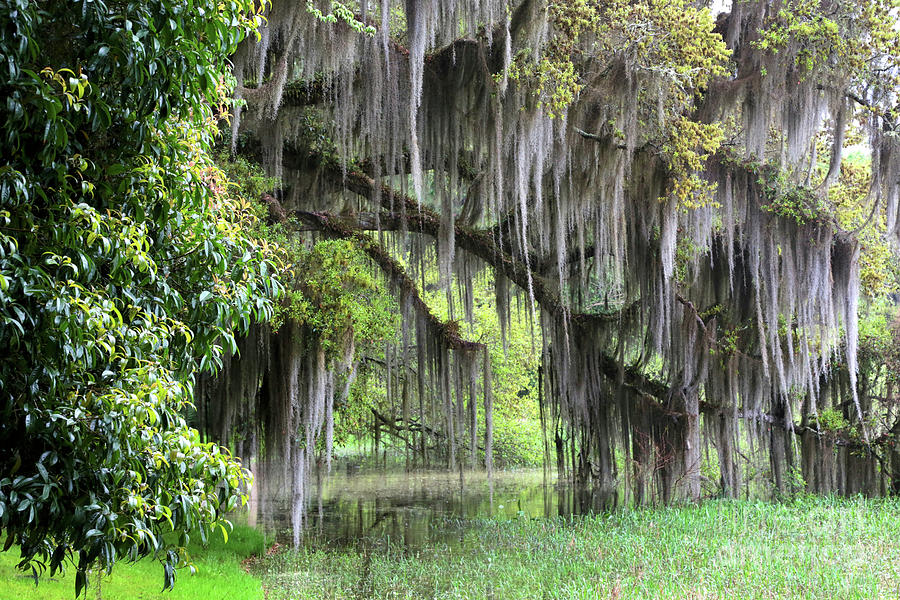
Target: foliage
x=248 y=181
x=517 y=438
x=879 y=343
x=332 y=289
x=686 y=56
x=556 y=82
x=514 y=365
x=672 y=44
x=892 y=357
x=800 y=22
x=686 y=254
x=855 y=38
x=331 y=286
x=782 y=195
x=684 y=152
x=340 y=12
x=674 y=40
x=794 y=202
x=517 y=434
x=854 y=211
x=124 y=268
x=831 y=419
x=846 y=204
x=334 y=293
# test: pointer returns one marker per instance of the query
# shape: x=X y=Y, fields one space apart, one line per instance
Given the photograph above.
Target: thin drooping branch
x=412 y=426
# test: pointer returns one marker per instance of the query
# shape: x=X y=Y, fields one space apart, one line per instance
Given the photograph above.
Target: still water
x=411 y=509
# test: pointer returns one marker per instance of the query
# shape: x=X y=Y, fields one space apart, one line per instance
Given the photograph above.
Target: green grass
x=811 y=548
x=219 y=576
x=814 y=548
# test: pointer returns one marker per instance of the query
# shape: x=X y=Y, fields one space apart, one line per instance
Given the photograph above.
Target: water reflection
x=412 y=509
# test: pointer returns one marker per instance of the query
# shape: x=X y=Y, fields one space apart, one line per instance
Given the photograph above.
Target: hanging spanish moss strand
x=488 y=415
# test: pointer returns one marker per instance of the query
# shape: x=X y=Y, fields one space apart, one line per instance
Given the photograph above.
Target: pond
x=424 y=507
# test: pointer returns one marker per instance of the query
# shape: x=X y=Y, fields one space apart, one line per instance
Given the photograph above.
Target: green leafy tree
x=124 y=270
x=335 y=296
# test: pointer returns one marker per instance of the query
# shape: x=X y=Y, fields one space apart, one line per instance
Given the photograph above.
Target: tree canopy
x=666 y=187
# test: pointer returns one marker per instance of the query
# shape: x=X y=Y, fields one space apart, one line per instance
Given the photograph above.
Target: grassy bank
x=815 y=548
x=219 y=576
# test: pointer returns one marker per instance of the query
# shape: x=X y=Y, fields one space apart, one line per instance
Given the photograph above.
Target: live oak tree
x=126 y=268
x=652 y=178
